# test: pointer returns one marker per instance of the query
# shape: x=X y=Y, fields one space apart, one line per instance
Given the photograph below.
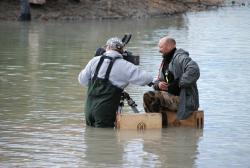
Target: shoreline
x=69 y=10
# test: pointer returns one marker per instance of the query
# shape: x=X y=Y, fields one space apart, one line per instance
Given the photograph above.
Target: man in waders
x=106 y=76
x=176 y=88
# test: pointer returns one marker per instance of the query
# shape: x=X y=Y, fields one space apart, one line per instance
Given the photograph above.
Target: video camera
x=128 y=56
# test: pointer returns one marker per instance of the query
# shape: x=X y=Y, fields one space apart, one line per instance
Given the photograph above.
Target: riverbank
x=104 y=9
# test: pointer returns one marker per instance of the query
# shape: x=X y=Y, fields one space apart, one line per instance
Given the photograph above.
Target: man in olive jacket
x=176 y=88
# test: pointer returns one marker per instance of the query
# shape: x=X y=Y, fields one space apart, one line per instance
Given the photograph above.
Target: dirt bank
x=104 y=9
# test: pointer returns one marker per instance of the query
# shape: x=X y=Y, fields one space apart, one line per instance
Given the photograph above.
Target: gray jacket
x=188 y=72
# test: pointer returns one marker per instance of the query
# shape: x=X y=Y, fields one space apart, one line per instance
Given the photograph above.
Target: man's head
x=166 y=44
x=115 y=43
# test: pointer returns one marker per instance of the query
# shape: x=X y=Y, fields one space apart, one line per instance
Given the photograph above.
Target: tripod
x=130 y=102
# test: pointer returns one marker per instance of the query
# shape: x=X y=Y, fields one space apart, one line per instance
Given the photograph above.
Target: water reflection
x=102 y=148
x=134 y=147
x=152 y=148
x=180 y=147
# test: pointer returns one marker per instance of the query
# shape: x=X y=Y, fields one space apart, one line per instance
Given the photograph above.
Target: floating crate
x=196 y=120
x=142 y=121
x=139 y=121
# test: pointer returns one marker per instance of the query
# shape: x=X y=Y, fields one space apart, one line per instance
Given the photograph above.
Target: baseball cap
x=115 y=43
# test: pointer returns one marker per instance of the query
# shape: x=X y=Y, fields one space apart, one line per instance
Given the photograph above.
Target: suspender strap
x=110 y=67
x=112 y=60
x=98 y=67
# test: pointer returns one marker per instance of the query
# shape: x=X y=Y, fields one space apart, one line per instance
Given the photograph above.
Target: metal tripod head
x=130 y=101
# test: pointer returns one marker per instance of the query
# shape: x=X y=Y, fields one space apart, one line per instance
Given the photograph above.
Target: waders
x=103 y=98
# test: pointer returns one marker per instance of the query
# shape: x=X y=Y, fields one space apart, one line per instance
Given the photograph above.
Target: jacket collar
x=112 y=53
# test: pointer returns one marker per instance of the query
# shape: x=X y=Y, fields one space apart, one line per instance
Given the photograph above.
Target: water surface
x=41 y=103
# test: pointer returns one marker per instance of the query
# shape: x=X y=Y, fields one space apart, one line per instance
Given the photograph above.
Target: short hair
x=170 y=41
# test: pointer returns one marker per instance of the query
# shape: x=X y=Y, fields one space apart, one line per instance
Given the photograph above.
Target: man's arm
x=138 y=76
x=85 y=75
x=191 y=72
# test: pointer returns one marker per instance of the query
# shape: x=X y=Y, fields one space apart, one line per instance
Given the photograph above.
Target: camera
x=127 y=55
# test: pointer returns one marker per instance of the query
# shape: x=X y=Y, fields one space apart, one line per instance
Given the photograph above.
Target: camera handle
x=126 y=38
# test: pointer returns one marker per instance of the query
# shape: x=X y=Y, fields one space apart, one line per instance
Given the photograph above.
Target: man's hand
x=163 y=86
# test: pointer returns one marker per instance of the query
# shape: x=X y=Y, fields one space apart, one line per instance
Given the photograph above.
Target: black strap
x=110 y=67
x=112 y=60
x=98 y=67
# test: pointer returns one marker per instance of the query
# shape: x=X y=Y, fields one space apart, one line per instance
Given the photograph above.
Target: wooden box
x=142 y=121
x=139 y=121
x=196 y=120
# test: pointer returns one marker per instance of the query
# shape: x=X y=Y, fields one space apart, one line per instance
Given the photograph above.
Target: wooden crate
x=196 y=120
x=139 y=121
x=144 y=121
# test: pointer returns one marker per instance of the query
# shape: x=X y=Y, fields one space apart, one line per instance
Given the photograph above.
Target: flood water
x=41 y=103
